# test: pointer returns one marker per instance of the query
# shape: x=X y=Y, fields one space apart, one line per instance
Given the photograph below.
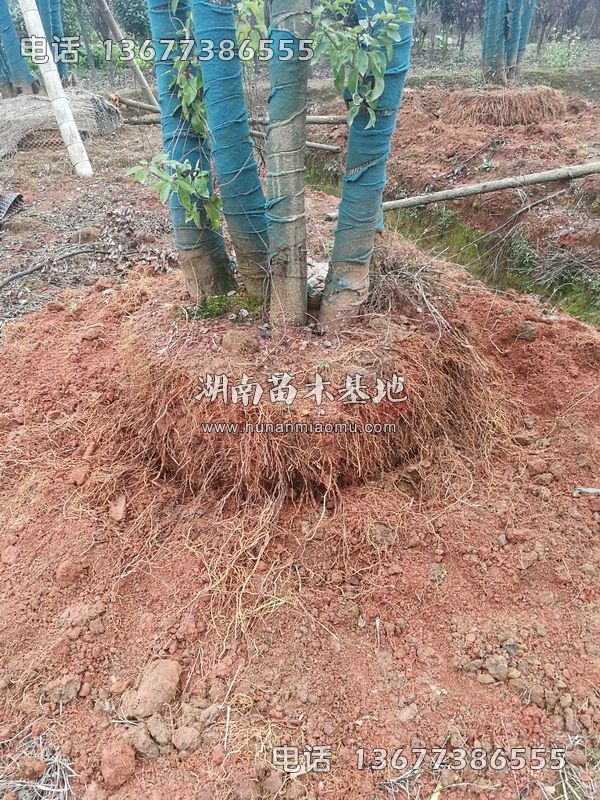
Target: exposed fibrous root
x=453 y=395
x=505 y=106
x=243 y=494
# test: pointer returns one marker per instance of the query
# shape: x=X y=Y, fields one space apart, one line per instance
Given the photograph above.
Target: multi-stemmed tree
x=14 y=70
x=506 y=29
x=205 y=119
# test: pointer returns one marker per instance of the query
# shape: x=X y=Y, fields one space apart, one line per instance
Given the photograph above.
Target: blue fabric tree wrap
x=50 y=14
x=360 y=212
x=506 y=29
x=18 y=71
x=4 y=71
x=182 y=143
x=58 y=31
x=513 y=33
x=493 y=35
x=231 y=145
x=526 y=22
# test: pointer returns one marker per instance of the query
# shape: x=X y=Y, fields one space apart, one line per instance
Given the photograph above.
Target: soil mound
x=171 y=611
x=504 y=107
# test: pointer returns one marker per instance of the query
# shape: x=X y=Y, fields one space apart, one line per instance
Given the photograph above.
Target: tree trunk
x=231 y=145
x=291 y=21
x=58 y=31
x=202 y=254
x=490 y=38
x=513 y=38
x=86 y=42
x=541 y=38
x=17 y=69
x=347 y=284
x=526 y=22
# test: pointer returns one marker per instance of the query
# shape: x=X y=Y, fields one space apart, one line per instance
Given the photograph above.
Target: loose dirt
x=162 y=639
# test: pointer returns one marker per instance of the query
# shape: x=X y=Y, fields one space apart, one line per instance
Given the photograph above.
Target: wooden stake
x=126 y=101
x=56 y=93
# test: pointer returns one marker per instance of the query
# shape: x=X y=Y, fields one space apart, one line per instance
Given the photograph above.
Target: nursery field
x=170 y=615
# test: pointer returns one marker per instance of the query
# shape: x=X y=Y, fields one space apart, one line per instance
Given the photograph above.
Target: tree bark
x=291 y=21
x=541 y=38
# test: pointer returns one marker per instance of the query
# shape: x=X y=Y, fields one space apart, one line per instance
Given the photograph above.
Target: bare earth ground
x=448 y=602
x=429 y=153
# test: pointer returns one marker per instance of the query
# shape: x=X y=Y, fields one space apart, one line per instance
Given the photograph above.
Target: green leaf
x=362 y=61
x=339 y=77
x=378 y=88
x=213 y=215
x=165 y=193
x=186 y=200
x=352 y=112
x=353 y=81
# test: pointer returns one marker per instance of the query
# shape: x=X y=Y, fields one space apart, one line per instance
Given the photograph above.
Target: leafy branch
x=358 y=50
x=192 y=184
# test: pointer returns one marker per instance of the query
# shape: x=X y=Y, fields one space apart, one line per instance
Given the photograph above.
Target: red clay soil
x=429 y=153
x=383 y=620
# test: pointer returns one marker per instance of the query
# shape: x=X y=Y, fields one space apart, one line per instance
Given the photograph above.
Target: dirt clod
x=68 y=573
x=117 y=764
x=497 y=667
x=157 y=687
x=187 y=738
x=31 y=768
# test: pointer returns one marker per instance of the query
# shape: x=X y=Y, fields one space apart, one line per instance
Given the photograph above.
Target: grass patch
x=501 y=263
x=219 y=305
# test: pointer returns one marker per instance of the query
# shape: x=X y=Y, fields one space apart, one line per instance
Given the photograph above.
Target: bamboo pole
x=560 y=174
x=56 y=93
x=115 y=31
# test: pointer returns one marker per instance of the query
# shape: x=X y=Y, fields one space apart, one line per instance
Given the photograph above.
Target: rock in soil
x=497 y=666
x=187 y=738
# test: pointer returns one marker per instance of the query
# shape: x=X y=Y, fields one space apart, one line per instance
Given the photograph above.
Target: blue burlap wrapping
x=180 y=140
x=227 y=119
x=526 y=22
x=368 y=151
x=50 y=14
x=15 y=69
